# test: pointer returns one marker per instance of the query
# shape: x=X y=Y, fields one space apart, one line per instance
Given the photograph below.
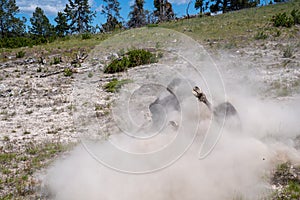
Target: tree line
x=77 y=18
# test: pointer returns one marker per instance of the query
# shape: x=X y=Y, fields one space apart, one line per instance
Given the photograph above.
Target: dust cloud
x=187 y=154
x=238 y=166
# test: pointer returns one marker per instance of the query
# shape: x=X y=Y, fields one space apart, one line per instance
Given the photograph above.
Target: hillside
x=238 y=29
x=56 y=96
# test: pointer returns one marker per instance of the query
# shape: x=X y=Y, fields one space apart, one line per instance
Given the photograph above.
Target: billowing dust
x=186 y=154
x=236 y=164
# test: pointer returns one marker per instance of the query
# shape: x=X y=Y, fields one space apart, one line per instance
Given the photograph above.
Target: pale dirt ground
x=63 y=109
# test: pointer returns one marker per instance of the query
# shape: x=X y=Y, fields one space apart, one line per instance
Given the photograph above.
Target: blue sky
x=51 y=7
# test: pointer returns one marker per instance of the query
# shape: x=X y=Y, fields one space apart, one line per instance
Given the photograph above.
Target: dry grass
x=237 y=28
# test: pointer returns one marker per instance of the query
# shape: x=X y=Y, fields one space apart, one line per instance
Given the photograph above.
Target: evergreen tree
x=137 y=15
x=40 y=24
x=231 y=5
x=199 y=5
x=79 y=14
x=62 y=25
x=112 y=12
x=164 y=10
x=9 y=24
x=241 y=4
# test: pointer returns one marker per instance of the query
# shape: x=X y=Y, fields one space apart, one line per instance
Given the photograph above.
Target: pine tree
x=9 y=24
x=40 y=24
x=79 y=15
x=231 y=5
x=62 y=25
x=241 y=4
x=164 y=10
x=137 y=15
x=112 y=12
x=199 y=5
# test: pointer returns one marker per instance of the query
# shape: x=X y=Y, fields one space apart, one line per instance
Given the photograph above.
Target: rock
x=30 y=61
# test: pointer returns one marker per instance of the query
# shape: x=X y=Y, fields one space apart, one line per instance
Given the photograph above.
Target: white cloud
x=50 y=7
x=179 y=2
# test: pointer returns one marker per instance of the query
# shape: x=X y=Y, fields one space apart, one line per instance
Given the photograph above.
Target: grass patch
x=20 y=54
x=114 y=85
x=7 y=157
x=152 y=25
x=20 y=182
x=261 y=35
x=86 y=36
x=56 y=60
x=284 y=177
x=68 y=72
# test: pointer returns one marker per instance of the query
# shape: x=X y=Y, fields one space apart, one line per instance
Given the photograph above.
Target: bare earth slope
x=41 y=116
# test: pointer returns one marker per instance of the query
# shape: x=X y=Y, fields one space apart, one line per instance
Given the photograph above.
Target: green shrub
x=281 y=19
x=20 y=54
x=117 y=66
x=296 y=16
x=15 y=42
x=86 y=36
x=29 y=40
x=140 y=57
x=68 y=72
x=132 y=58
x=56 y=60
x=114 y=85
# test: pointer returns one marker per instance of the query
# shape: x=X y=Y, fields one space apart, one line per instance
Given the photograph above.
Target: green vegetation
x=23 y=41
x=282 y=19
x=26 y=133
x=68 y=72
x=229 y=30
x=111 y=10
x=40 y=24
x=152 y=25
x=117 y=66
x=131 y=59
x=66 y=46
x=36 y=156
x=6 y=157
x=79 y=16
x=114 y=85
x=20 y=54
x=290 y=183
x=261 y=35
x=86 y=36
x=283 y=167
x=296 y=16
x=56 y=60
x=241 y=28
